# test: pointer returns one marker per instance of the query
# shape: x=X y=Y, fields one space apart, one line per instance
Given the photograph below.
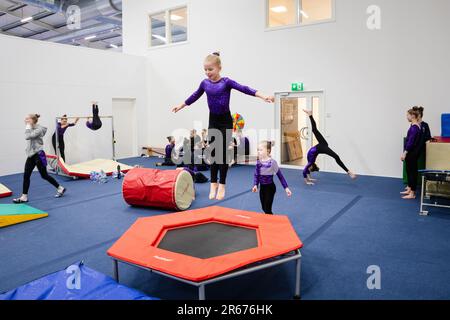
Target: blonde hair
x=35 y=117
x=267 y=145
x=214 y=58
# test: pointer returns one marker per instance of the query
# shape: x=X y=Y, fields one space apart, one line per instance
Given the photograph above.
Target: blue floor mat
x=345 y=225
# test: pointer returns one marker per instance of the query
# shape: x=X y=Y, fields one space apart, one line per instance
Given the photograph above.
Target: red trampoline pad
x=162 y=242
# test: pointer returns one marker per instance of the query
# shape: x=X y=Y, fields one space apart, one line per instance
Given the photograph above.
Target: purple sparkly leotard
x=264 y=172
x=218 y=94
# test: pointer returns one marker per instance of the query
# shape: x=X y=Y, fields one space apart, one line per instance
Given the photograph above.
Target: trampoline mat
x=209 y=240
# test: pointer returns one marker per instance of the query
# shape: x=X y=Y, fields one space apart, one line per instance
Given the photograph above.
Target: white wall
x=53 y=79
x=370 y=77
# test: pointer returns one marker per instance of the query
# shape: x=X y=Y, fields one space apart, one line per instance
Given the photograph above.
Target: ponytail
x=35 y=117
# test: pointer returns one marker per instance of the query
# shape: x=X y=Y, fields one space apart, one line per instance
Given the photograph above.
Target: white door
x=125 y=134
x=294 y=137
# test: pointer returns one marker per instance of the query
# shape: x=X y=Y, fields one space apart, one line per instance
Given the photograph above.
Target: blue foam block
x=445 y=120
x=77 y=282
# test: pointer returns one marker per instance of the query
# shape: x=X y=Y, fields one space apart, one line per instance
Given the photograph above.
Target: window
x=158 y=29
x=168 y=27
x=281 y=13
x=178 y=25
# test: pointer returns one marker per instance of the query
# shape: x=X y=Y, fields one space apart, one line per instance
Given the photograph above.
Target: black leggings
x=96 y=121
x=412 y=167
x=323 y=148
x=30 y=164
x=224 y=124
x=61 y=146
x=266 y=195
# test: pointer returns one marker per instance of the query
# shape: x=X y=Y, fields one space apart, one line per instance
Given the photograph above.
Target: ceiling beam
x=97 y=44
x=34 y=22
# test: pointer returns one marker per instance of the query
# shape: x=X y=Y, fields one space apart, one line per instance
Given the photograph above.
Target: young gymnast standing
x=412 y=152
x=218 y=91
x=321 y=148
x=60 y=130
x=424 y=138
x=34 y=134
x=266 y=168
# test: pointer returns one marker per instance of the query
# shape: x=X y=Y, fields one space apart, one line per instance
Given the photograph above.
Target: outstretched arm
x=251 y=92
x=193 y=98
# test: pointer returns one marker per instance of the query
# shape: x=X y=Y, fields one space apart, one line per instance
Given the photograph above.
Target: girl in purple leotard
x=218 y=91
x=266 y=168
x=321 y=148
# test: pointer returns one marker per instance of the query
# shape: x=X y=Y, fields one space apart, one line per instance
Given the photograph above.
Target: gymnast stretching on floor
x=321 y=148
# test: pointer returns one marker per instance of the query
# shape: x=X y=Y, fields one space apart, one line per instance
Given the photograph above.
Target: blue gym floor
x=345 y=225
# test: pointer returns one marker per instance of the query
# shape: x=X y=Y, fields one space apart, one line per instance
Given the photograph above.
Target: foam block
x=445 y=125
x=77 y=282
x=84 y=169
x=438 y=156
x=17 y=213
x=4 y=191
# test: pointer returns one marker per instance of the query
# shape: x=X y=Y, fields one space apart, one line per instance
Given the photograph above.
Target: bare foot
x=221 y=192
x=411 y=196
x=406 y=192
x=213 y=191
x=308 y=112
x=352 y=175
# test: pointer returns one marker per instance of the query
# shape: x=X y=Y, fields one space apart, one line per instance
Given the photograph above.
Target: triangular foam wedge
x=17 y=213
x=4 y=191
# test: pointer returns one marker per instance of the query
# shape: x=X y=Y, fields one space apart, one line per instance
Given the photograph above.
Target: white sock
x=24 y=197
x=60 y=189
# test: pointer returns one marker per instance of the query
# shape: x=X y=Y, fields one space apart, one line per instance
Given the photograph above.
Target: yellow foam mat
x=19 y=218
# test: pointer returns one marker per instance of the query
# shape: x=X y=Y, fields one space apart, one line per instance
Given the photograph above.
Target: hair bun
x=37 y=115
x=216 y=53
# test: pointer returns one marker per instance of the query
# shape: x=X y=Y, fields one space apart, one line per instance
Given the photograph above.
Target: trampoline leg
x=297 y=278
x=201 y=292
x=116 y=270
x=422 y=197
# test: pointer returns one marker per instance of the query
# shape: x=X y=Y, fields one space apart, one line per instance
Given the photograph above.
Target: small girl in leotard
x=266 y=168
x=218 y=90
x=321 y=148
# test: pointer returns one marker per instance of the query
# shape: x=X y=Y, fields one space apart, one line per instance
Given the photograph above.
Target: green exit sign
x=297 y=86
